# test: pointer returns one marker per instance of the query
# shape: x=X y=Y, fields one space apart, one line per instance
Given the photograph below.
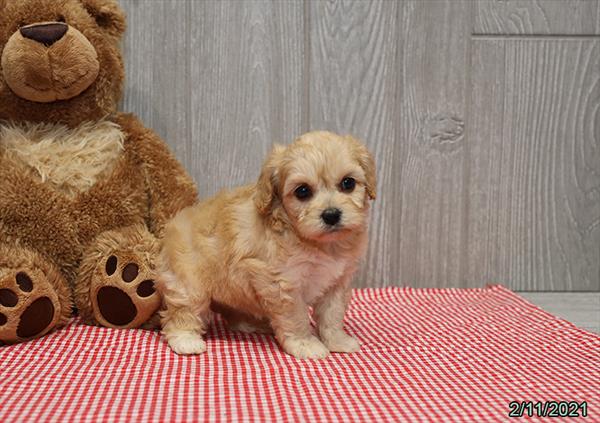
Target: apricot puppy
x=262 y=254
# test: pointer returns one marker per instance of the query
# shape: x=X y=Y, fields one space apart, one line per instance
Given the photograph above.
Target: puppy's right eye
x=303 y=192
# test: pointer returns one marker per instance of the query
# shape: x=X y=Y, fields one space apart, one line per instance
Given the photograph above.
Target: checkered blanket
x=427 y=355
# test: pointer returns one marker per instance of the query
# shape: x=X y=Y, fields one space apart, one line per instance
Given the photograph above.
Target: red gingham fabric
x=427 y=355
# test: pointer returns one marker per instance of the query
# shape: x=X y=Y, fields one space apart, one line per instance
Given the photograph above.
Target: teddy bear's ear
x=108 y=15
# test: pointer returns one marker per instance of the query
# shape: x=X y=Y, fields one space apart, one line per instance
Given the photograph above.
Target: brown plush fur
x=101 y=22
x=70 y=160
x=119 y=213
x=50 y=82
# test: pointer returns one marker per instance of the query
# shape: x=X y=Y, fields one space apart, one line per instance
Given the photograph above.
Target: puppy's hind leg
x=185 y=318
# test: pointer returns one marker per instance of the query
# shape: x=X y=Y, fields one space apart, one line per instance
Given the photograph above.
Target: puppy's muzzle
x=331 y=216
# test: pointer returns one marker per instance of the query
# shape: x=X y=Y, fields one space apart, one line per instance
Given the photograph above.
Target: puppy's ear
x=365 y=159
x=266 y=186
x=108 y=15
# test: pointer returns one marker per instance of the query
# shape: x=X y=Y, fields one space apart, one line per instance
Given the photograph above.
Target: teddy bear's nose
x=46 y=33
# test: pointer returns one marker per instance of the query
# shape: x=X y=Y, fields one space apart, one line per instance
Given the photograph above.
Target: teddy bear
x=85 y=190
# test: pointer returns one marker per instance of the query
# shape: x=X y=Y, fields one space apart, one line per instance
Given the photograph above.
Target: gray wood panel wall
x=484 y=117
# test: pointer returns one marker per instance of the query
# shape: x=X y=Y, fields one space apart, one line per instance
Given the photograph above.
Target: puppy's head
x=321 y=185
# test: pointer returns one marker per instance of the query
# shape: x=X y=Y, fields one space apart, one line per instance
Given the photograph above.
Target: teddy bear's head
x=60 y=60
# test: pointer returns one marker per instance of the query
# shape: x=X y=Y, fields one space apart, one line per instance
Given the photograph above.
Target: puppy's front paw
x=309 y=347
x=186 y=343
x=340 y=341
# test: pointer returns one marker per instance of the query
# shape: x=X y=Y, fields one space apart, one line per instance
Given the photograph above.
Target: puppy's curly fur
x=262 y=254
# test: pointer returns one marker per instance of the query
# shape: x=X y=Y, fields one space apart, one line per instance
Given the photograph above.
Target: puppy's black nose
x=331 y=216
x=46 y=33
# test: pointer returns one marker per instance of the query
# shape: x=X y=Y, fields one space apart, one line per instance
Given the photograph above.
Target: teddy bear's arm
x=168 y=185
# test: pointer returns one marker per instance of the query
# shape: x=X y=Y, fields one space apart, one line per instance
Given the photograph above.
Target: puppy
x=262 y=254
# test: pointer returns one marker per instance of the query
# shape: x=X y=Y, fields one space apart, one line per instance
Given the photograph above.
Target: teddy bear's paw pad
x=127 y=298
x=28 y=306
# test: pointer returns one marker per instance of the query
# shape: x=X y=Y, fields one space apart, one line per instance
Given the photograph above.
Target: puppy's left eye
x=347 y=184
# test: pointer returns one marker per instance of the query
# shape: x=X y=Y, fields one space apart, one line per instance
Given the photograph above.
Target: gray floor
x=580 y=308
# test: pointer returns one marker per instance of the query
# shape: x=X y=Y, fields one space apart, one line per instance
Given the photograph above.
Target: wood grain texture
x=370 y=77
x=534 y=192
x=353 y=90
x=540 y=17
x=487 y=148
x=247 y=77
x=580 y=308
x=220 y=81
x=430 y=143
x=157 y=85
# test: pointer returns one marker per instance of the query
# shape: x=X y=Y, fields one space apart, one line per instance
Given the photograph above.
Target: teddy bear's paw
x=124 y=295
x=114 y=286
x=29 y=305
